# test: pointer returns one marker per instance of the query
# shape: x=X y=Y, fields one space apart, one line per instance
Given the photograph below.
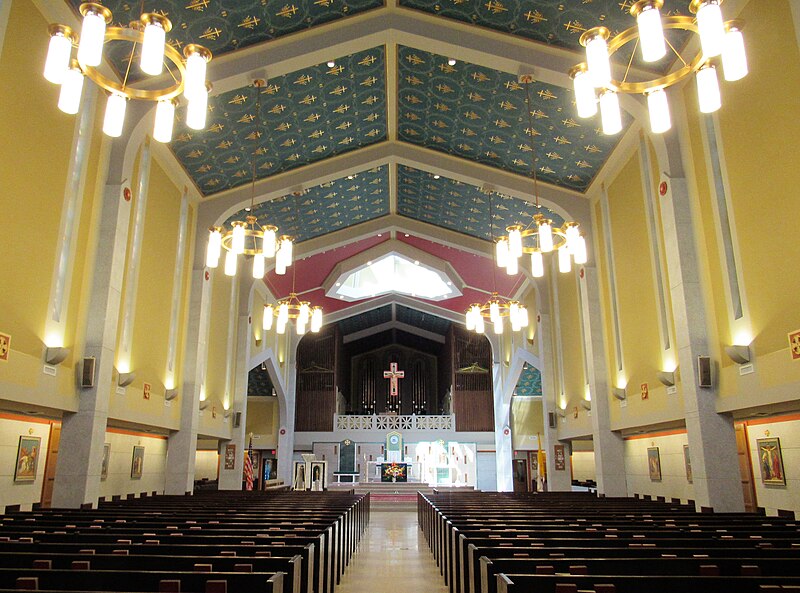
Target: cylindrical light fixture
x=470 y=317
x=258 y=266
x=610 y=113
x=237 y=242
x=512 y=266
x=708 y=89
x=494 y=311
x=269 y=243
x=572 y=232
x=501 y=252
x=165 y=120
x=280 y=263
x=58 y=53
x=198 y=109
x=579 y=253
x=269 y=314
x=597 y=61
x=230 y=263
x=214 y=247
x=734 y=58
x=69 y=99
x=537 y=264
x=658 y=106
x=316 y=319
x=286 y=249
x=564 y=264
x=498 y=326
x=93 y=33
x=651 y=33
x=115 y=115
x=515 y=241
x=710 y=26
x=197 y=58
x=585 y=98
x=545 y=234
x=156 y=28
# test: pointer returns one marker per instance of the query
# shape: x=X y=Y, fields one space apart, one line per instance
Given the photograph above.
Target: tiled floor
x=393 y=557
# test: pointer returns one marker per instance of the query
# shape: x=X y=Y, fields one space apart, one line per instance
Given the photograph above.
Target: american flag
x=248 y=466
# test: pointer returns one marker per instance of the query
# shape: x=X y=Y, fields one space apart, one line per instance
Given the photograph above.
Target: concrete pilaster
x=77 y=479
x=286 y=410
x=712 y=438
x=502 y=425
x=182 y=444
x=609 y=457
x=557 y=480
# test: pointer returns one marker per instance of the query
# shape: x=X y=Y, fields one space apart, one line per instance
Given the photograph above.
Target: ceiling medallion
x=719 y=40
x=187 y=71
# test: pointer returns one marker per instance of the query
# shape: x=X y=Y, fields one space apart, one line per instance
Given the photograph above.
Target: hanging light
x=258 y=266
x=658 y=107
x=165 y=120
x=197 y=58
x=501 y=252
x=269 y=313
x=156 y=28
x=93 y=33
x=537 y=264
x=564 y=263
x=651 y=33
x=230 y=263
x=69 y=100
x=597 y=60
x=214 y=247
x=716 y=37
x=115 y=115
x=197 y=111
x=585 y=98
x=708 y=89
x=59 y=52
x=316 y=319
x=579 y=253
x=710 y=26
x=149 y=32
x=512 y=267
x=734 y=58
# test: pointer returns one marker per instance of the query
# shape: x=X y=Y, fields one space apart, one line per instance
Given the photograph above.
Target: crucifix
x=393 y=375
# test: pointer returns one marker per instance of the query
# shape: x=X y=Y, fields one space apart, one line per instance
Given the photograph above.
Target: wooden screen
x=316 y=387
x=473 y=399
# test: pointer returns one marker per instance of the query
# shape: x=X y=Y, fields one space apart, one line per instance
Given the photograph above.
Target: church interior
x=392 y=249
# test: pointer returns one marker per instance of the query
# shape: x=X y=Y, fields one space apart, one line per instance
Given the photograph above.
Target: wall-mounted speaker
x=87 y=371
x=237 y=419
x=552 y=420
x=704 y=378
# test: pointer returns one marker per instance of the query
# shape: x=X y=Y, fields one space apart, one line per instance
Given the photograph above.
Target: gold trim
x=149 y=18
x=96 y=8
x=638 y=7
x=695 y=5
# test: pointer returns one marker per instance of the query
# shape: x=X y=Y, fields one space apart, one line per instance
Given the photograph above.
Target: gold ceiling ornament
x=187 y=72
x=497 y=308
x=720 y=42
x=247 y=237
x=540 y=236
x=292 y=307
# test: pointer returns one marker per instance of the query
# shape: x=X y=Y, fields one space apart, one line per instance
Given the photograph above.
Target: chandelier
x=292 y=307
x=187 y=72
x=497 y=308
x=247 y=237
x=719 y=41
x=540 y=236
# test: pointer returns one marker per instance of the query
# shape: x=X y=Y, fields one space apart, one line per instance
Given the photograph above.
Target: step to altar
x=395 y=496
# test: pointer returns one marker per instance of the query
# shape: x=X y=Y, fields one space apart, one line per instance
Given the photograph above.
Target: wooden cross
x=393 y=375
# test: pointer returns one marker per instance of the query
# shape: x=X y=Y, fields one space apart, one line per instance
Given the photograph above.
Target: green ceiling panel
x=459 y=206
x=306 y=116
x=224 y=26
x=365 y=320
x=259 y=382
x=529 y=383
x=555 y=22
x=479 y=114
x=328 y=207
x=421 y=320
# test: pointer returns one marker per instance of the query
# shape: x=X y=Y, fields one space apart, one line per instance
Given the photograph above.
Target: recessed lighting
x=451 y=62
x=436 y=176
x=406 y=234
x=449 y=284
x=247 y=209
x=380 y=234
x=369 y=263
x=351 y=176
x=416 y=262
x=331 y=64
x=338 y=284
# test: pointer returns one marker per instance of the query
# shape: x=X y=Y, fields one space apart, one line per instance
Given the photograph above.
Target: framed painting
x=230 y=456
x=559 y=457
x=104 y=464
x=319 y=475
x=654 y=464
x=137 y=462
x=770 y=460
x=687 y=461
x=27 y=458
x=300 y=481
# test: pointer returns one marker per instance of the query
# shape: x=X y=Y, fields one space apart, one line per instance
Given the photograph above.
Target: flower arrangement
x=394 y=471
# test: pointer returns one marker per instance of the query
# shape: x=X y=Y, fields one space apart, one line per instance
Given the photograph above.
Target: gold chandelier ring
x=112 y=86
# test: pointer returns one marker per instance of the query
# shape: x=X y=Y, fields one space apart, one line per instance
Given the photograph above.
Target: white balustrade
x=389 y=422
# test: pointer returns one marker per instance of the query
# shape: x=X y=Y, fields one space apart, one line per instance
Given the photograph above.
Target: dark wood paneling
x=314 y=411
x=316 y=387
x=474 y=411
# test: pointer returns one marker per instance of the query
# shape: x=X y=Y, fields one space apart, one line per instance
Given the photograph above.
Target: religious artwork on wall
x=27 y=458
x=104 y=463
x=654 y=464
x=319 y=476
x=300 y=480
x=230 y=456
x=770 y=460
x=137 y=462
x=687 y=461
x=5 y=347
x=794 y=344
x=559 y=457
x=146 y=387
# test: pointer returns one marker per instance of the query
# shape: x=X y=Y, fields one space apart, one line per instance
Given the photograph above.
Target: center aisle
x=392 y=557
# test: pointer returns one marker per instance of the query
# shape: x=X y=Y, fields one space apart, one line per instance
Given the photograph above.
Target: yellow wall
x=21 y=493
x=574 y=388
x=262 y=421
x=119 y=480
x=526 y=422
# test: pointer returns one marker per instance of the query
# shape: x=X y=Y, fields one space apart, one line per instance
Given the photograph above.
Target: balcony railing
x=386 y=422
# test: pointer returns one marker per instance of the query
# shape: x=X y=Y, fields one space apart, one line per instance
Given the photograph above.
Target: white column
x=61 y=283
x=712 y=437
x=124 y=363
x=286 y=426
x=609 y=458
x=504 y=452
x=177 y=292
x=557 y=480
